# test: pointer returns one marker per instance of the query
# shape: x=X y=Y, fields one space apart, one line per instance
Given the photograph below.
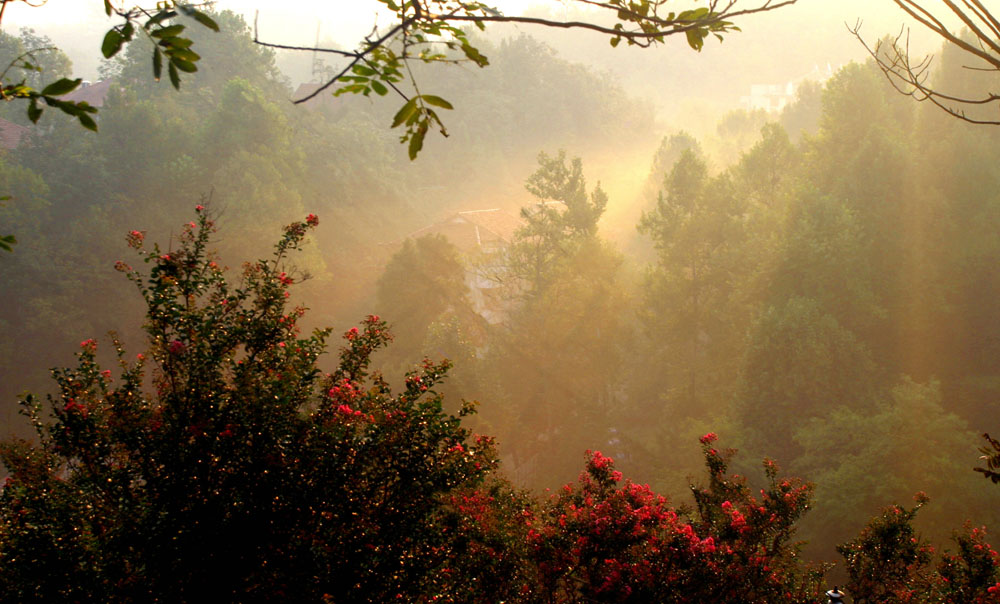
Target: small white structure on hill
x=775 y=97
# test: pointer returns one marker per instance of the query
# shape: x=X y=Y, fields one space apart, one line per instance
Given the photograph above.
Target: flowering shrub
x=604 y=540
x=969 y=574
x=889 y=563
x=223 y=464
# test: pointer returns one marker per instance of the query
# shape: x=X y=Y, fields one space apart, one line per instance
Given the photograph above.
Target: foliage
x=423 y=283
x=246 y=473
x=991 y=456
x=565 y=217
x=157 y=25
x=890 y=563
x=606 y=541
x=430 y=31
x=697 y=231
x=885 y=562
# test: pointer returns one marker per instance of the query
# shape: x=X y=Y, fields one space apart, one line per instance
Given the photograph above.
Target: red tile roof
x=94 y=94
x=11 y=134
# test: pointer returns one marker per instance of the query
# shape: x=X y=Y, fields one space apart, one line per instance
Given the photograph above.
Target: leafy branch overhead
x=159 y=28
x=430 y=31
x=156 y=24
x=49 y=95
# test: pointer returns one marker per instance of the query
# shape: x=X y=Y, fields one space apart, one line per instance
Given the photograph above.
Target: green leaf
x=175 y=77
x=184 y=55
x=417 y=140
x=436 y=101
x=169 y=31
x=183 y=65
x=128 y=30
x=204 y=19
x=404 y=113
x=472 y=53
x=363 y=70
x=615 y=41
x=112 y=43
x=108 y=8
x=696 y=38
x=61 y=86
x=157 y=64
x=175 y=43
x=34 y=111
x=87 y=122
x=352 y=89
x=379 y=88
x=6 y=242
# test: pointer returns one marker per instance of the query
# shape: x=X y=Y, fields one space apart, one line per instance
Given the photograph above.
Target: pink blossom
x=711 y=437
x=199 y=208
x=134 y=238
x=312 y=220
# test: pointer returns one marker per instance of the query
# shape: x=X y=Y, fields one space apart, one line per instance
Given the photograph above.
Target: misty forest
x=593 y=345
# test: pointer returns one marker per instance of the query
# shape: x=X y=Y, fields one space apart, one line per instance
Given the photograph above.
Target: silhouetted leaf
x=61 y=86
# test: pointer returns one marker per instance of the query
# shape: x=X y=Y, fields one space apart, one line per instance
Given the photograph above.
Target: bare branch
x=910 y=79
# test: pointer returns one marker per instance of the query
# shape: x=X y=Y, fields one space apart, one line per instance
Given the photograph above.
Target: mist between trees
x=817 y=286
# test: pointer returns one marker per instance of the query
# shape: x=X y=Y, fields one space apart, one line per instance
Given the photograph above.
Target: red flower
x=134 y=239
x=711 y=437
x=312 y=220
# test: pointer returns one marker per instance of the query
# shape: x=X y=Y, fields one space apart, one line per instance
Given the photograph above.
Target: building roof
x=94 y=94
x=498 y=222
x=474 y=229
x=11 y=134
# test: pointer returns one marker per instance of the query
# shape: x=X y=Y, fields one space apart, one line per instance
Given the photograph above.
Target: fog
x=620 y=249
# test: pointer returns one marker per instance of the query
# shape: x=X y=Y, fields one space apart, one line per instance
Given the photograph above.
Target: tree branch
x=910 y=80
